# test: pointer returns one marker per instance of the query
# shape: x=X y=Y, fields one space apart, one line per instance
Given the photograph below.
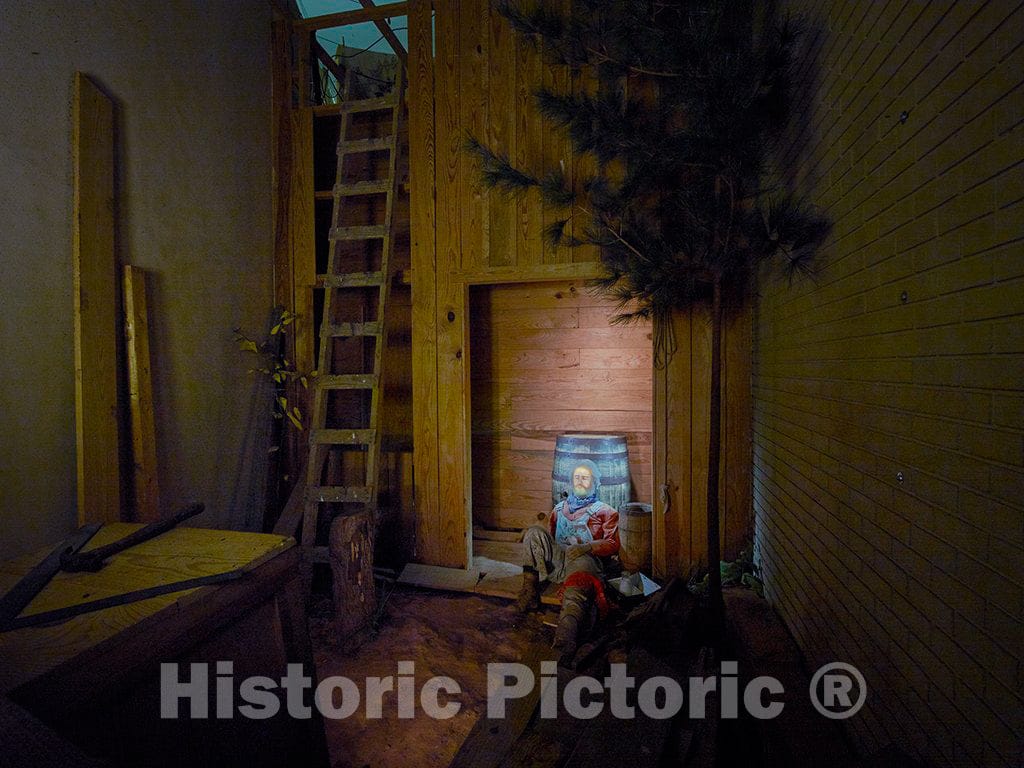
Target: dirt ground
x=449 y=634
x=456 y=635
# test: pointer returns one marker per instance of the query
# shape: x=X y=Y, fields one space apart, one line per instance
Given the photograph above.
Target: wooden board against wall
x=145 y=478
x=95 y=306
x=546 y=361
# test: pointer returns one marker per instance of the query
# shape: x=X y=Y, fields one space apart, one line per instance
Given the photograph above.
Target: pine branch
x=683 y=194
x=496 y=171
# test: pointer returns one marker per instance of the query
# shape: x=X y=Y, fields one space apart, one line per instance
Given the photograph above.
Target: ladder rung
x=339 y=494
x=352 y=280
x=369 y=105
x=347 y=381
x=365 y=145
x=340 y=330
x=342 y=436
x=358 y=233
x=326 y=110
x=374 y=187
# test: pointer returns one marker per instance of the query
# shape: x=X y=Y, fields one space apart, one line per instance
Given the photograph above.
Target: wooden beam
x=357 y=16
x=95 y=305
x=140 y=392
x=530 y=273
x=389 y=34
x=332 y=66
x=491 y=741
x=451 y=322
x=424 y=289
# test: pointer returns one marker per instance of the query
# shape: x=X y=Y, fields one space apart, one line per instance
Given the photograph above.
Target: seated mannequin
x=581 y=530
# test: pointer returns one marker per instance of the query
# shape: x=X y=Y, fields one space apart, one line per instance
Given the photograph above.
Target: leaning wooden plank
x=548 y=741
x=636 y=741
x=491 y=739
x=288 y=523
x=325 y=58
x=140 y=394
x=385 y=29
x=95 y=304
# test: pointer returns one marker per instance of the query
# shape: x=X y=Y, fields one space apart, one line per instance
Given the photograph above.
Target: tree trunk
x=351 y=558
x=714 y=458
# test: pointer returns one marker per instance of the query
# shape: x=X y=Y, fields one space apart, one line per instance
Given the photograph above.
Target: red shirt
x=603 y=525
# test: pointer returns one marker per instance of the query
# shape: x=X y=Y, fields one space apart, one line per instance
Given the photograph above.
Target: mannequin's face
x=582 y=481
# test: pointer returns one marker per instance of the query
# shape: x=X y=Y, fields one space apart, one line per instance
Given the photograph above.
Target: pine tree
x=683 y=126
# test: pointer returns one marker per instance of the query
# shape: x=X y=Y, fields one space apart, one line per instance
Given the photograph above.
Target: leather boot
x=529 y=592
x=571 y=620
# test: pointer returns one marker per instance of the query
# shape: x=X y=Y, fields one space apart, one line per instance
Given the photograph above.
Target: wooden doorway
x=544 y=360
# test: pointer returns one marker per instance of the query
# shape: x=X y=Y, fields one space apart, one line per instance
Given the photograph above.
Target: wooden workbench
x=95 y=677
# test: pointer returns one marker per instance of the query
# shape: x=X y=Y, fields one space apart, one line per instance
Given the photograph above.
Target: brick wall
x=888 y=412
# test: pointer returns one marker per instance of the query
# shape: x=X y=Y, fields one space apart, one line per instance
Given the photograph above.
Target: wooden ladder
x=343 y=471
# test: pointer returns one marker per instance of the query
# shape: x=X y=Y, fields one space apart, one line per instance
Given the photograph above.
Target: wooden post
x=140 y=392
x=95 y=306
x=351 y=544
x=424 y=285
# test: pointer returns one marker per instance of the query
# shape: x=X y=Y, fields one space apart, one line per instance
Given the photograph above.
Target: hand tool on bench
x=58 y=615
x=32 y=583
x=73 y=562
x=68 y=558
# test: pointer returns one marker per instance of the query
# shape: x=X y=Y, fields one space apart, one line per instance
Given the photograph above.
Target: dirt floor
x=457 y=634
x=449 y=634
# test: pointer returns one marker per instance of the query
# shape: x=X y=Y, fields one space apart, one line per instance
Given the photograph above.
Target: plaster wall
x=191 y=86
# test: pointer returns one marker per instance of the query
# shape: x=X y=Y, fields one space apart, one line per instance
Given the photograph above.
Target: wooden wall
x=470 y=242
x=681 y=432
x=481 y=83
x=544 y=360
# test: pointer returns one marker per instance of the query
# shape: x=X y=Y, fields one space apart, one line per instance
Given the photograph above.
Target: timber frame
x=479 y=80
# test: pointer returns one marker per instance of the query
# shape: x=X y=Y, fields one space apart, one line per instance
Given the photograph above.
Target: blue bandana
x=575 y=502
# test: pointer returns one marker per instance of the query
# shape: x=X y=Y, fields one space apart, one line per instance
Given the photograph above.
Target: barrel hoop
x=585 y=455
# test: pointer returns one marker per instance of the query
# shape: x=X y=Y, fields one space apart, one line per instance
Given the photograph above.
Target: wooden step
x=348 y=330
x=338 y=494
x=342 y=436
x=368 y=105
x=347 y=381
x=358 y=233
x=326 y=110
x=365 y=145
x=351 y=280
x=373 y=187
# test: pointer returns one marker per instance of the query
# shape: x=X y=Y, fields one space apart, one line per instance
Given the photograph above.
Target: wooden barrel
x=608 y=452
x=635 y=537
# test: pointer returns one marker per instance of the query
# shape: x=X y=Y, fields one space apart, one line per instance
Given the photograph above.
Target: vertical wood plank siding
x=481 y=81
